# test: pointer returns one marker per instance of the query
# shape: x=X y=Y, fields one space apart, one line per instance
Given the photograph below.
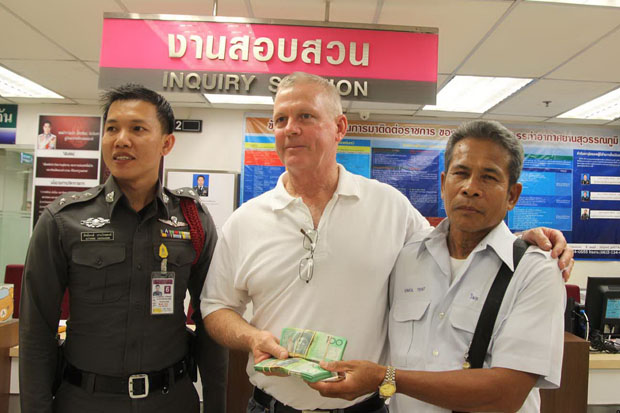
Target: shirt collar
x=113 y=194
x=500 y=240
x=347 y=186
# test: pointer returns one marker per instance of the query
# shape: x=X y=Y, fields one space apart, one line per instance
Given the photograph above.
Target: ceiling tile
x=68 y=79
x=578 y=121
x=513 y=118
x=443 y=114
x=562 y=94
x=74 y=24
x=353 y=11
x=36 y=101
x=26 y=43
x=96 y=102
x=537 y=37
x=234 y=8
x=289 y=9
x=597 y=63
x=94 y=66
x=461 y=23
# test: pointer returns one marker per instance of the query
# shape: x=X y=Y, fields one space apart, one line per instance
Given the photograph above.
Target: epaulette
x=70 y=198
x=187 y=192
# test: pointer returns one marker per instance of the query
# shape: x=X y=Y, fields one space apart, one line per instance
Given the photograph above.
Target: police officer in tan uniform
x=112 y=247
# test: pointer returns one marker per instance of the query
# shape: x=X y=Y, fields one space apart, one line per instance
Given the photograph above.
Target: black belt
x=369 y=405
x=136 y=386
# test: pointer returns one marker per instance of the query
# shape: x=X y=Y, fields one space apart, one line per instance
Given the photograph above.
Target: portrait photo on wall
x=585 y=179
x=585 y=213
x=585 y=195
x=200 y=184
x=46 y=138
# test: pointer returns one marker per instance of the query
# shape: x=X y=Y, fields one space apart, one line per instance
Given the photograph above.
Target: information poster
x=67 y=157
x=570 y=177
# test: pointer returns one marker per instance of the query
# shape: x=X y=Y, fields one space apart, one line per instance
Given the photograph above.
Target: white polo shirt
x=431 y=322
x=363 y=228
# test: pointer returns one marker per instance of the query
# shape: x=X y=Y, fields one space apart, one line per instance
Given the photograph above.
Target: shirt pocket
x=99 y=273
x=181 y=254
x=402 y=330
x=463 y=319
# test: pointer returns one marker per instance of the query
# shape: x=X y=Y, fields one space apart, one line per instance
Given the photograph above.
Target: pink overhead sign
x=216 y=55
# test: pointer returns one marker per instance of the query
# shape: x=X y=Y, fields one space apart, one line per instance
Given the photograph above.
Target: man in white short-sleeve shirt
x=440 y=283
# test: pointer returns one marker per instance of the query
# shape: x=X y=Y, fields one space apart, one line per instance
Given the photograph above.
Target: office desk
x=9 y=336
x=604 y=379
x=572 y=396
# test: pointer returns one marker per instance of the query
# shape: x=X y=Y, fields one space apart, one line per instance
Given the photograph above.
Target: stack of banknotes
x=306 y=348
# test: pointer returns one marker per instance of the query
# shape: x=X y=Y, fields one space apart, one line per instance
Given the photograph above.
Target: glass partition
x=15 y=204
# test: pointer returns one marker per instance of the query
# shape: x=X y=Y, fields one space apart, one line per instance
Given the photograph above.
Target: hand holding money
x=307 y=348
x=265 y=345
x=360 y=377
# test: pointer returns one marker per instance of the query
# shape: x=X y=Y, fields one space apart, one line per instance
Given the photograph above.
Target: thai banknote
x=306 y=348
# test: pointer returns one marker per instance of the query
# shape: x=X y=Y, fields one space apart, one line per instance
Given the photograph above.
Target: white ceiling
x=571 y=51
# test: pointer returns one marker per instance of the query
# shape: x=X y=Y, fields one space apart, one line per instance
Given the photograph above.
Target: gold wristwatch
x=388 y=385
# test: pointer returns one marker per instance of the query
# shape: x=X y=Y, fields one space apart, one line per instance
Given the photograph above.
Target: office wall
x=219 y=147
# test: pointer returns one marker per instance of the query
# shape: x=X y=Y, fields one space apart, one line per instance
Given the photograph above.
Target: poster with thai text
x=67 y=157
x=570 y=176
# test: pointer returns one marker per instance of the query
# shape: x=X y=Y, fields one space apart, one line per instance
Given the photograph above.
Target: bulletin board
x=220 y=196
x=570 y=177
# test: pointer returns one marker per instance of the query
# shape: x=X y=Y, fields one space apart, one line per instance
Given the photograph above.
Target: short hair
x=200 y=176
x=48 y=122
x=328 y=87
x=133 y=91
x=493 y=131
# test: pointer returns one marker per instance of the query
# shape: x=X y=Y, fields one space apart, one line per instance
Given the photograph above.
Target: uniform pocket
x=98 y=273
x=180 y=253
x=180 y=257
x=464 y=317
x=403 y=315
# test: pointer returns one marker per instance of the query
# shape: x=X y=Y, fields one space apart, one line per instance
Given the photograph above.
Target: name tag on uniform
x=162 y=293
x=97 y=236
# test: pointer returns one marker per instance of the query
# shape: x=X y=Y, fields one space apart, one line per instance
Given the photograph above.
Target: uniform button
x=139 y=266
x=442 y=315
x=99 y=261
x=435 y=353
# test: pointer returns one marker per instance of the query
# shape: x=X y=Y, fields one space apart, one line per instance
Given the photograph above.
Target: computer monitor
x=603 y=305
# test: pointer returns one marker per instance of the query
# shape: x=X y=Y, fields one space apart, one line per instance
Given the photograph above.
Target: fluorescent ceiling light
x=239 y=99
x=603 y=107
x=475 y=94
x=13 y=85
x=610 y=3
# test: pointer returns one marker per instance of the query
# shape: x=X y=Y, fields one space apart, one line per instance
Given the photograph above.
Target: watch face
x=387 y=390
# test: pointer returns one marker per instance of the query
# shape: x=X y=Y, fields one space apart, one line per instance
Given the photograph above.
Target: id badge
x=162 y=293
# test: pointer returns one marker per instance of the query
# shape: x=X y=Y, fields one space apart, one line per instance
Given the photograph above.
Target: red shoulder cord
x=190 y=212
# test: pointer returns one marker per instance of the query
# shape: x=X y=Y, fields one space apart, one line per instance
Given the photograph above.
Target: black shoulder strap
x=486 y=321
